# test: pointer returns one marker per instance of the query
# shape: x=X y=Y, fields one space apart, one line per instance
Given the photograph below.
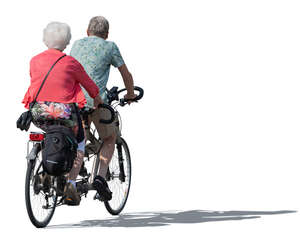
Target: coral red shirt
x=62 y=84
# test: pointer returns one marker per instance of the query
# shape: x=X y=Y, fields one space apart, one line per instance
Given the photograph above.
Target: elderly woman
x=61 y=94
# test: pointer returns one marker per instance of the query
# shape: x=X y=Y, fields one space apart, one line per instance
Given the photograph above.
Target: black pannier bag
x=59 y=150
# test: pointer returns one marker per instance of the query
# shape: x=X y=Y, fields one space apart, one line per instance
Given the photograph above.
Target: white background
x=217 y=131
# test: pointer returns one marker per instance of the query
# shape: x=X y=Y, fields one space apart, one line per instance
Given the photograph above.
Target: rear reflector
x=36 y=136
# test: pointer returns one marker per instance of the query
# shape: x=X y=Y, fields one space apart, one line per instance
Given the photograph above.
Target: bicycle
x=43 y=193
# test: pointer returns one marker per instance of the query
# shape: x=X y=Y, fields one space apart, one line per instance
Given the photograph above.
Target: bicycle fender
x=33 y=153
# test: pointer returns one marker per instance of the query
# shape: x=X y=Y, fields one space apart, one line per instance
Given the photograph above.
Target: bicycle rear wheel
x=119 y=180
x=40 y=197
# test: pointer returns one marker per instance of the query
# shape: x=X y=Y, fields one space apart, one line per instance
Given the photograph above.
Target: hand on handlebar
x=129 y=96
x=97 y=101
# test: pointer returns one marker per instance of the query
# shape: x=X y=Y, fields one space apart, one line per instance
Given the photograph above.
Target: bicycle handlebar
x=138 y=97
x=113 y=95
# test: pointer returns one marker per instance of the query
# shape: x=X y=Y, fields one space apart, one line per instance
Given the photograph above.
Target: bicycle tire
x=111 y=207
x=30 y=174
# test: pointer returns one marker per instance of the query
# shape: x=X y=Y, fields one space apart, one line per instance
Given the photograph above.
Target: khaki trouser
x=104 y=130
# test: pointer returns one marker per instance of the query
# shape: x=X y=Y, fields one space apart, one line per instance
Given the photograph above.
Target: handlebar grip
x=112 y=112
x=141 y=94
x=141 y=91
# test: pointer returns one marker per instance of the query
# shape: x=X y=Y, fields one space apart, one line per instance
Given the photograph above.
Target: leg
x=76 y=166
x=106 y=154
x=79 y=132
x=72 y=196
x=108 y=134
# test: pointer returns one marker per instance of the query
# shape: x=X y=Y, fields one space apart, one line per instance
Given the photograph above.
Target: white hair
x=98 y=26
x=57 y=35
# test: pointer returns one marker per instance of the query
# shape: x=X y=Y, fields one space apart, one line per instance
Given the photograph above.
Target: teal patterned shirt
x=96 y=55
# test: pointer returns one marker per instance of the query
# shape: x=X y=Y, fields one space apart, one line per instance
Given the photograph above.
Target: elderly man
x=96 y=55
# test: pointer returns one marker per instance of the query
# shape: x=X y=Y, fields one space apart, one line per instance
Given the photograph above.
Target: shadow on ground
x=164 y=218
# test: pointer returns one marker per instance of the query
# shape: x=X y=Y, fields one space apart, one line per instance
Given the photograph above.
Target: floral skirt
x=44 y=113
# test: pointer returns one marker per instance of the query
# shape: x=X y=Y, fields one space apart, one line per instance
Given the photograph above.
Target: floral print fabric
x=43 y=112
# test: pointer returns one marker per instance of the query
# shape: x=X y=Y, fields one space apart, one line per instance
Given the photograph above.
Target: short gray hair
x=57 y=35
x=98 y=26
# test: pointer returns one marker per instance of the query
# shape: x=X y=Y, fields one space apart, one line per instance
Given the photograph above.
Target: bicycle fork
x=120 y=158
x=96 y=166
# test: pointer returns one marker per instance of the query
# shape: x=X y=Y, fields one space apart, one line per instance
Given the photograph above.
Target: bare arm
x=128 y=81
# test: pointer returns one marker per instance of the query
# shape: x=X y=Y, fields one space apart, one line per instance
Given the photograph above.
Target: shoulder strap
x=45 y=80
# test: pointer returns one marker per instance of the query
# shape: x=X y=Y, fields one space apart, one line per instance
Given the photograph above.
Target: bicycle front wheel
x=119 y=178
x=40 y=196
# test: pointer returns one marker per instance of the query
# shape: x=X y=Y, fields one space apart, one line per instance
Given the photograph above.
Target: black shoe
x=102 y=188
